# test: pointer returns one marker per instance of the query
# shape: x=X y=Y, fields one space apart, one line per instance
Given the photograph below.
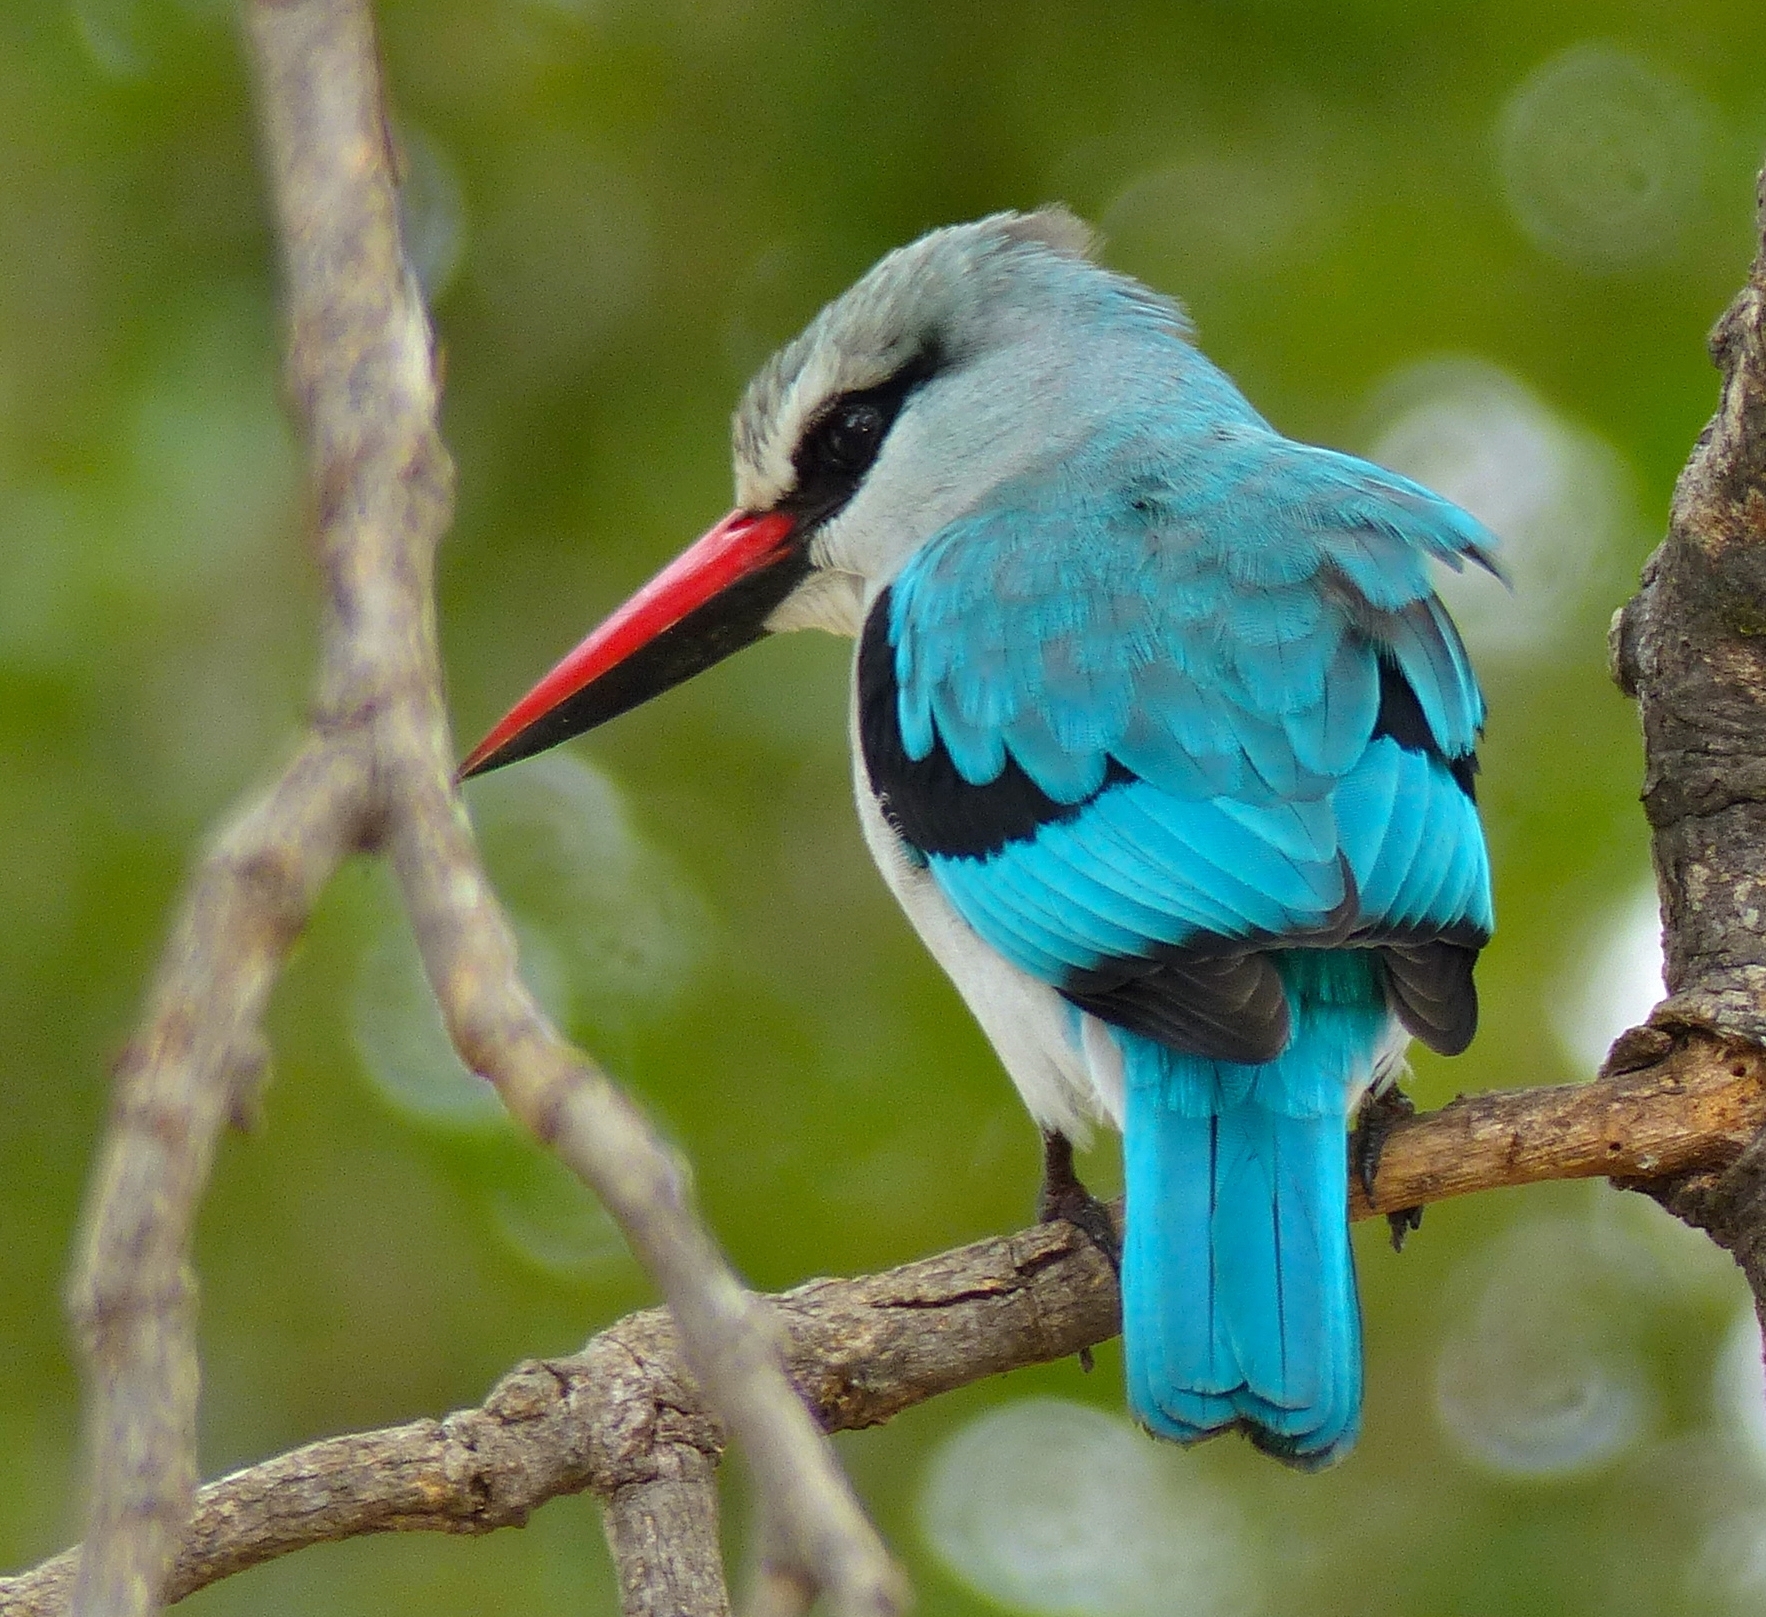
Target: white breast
x=1064 y=1064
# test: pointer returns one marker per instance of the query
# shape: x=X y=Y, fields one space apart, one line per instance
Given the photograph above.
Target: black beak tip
x=472 y=766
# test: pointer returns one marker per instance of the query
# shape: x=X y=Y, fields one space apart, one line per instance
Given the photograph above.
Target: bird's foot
x=1062 y=1196
x=1381 y=1110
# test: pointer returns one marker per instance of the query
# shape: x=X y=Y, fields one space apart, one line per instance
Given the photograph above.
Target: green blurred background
x=1481 y=240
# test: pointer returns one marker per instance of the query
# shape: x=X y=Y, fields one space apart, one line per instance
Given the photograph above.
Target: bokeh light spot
x=398 y=1032
x=566 y=858
x=1222 y=211
x=114 y=35
x=432 y=210
x=551 y=1220
x=1602 y=157
x=1051 y=1507
x=1558 y=497
x=1729 y=1571
x=1539 y=1379
x=131 y=39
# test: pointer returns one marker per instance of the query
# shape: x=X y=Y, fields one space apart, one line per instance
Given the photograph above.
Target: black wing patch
x=1401 y=718
x=1232 y=1006
x=1227 y=1007
x=1431 y=989
x=928 y=803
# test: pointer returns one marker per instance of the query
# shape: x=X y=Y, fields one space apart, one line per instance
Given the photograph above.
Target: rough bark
x=1689 y=647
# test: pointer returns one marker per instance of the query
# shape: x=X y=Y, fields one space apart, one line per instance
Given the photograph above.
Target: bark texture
x=1689 y=646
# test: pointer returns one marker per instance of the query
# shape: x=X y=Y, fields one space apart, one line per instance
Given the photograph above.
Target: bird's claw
x=1402 y=1222
x=1381 y=1110
x=1063 y=1197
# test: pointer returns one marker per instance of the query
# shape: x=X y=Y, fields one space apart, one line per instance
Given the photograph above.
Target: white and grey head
x=971 y=357
x=956 y=363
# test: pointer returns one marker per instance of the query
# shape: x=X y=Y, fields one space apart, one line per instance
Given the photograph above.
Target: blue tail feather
x=1238 y=1285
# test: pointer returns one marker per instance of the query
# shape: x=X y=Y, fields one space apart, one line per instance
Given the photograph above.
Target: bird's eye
x=843 y=438
x=851 y=436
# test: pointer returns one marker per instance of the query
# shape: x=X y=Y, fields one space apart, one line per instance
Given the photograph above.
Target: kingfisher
x=1163 y=740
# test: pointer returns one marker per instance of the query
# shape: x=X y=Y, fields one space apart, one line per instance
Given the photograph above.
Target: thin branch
x=1664 y=1106
x=376 y=767
x=194 y=1063
x=664 y=1538
x=360 y=356
x=623 y=1420
x=731 y=1343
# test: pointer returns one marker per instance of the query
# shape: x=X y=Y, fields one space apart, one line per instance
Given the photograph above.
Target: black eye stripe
x=844 y=438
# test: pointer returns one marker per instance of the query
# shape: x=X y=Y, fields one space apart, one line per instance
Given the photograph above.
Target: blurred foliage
x=1484 y=235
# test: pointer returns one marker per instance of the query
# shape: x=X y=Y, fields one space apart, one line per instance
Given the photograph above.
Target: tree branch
x=1689 y=647
x=1661 y=1108
x=195 y=1061
x=622 y=1419
x=374 y=436
x=377 y=767
x=663 y=1532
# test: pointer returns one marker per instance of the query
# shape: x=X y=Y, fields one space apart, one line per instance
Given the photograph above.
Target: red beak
x=706 y=604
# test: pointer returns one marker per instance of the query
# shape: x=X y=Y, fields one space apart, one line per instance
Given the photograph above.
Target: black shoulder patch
x=1401 y=718
x=927 y=802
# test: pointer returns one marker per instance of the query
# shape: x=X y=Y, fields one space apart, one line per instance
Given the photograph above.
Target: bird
x=1163 y=740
